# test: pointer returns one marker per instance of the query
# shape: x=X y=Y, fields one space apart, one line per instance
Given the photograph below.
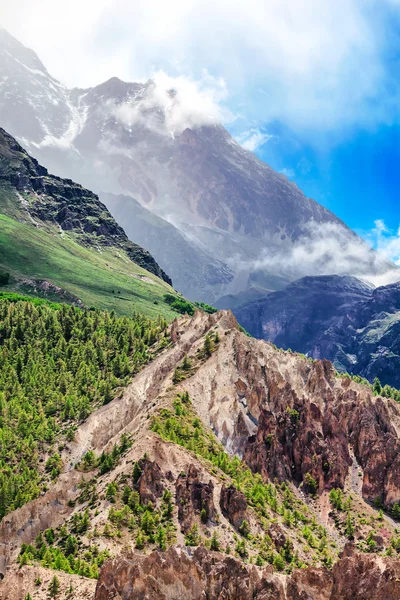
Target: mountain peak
x=138 y=140
x=12 y=49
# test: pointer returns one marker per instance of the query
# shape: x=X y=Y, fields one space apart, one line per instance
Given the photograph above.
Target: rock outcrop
x=233 y=505
x=149 y=484
x=205 y=574
x=194 y=498
x=307 y=441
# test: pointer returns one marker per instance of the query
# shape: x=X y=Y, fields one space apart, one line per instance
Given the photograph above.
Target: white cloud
x=330 y=249
x=312 y=64
x=290 y=173
x=171 y=104
x=385 y=240
x=253 y=139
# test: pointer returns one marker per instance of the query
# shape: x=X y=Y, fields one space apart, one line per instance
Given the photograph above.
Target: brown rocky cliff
x=205 y=574
x=288 y=417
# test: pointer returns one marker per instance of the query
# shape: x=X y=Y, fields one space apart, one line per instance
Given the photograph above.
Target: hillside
x=194 y=268
x=224 y=464
x=237 y=219
x=338 y=318
x=58 y=240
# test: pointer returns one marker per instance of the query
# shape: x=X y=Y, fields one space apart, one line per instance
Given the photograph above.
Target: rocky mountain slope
x=57 y=238
x=190 y=577
x=64 y=203
x=262 y=460
x=194 y=268
x=338 y=318
x=234 y=213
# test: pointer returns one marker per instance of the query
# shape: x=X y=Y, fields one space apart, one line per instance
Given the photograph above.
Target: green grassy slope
x=92 y=275
x=58 y=241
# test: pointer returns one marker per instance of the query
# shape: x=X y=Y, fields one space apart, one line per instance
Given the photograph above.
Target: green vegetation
x=54 y=587
x=64 y=551
x=182 y=426
x=376 y=387
x=206 y=307
x=147 y=523
x=104 y=278
x=182 y=306
x=107 y=461
x=179 y=304
x=4 y=278
x=311 y=484
x=56 y=364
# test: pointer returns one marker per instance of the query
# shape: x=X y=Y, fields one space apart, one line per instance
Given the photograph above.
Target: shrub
x=4 y=278
x=311 y=484
x=192 y=537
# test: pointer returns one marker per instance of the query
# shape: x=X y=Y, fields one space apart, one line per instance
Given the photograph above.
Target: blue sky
x=312 y=86
x=358 y=178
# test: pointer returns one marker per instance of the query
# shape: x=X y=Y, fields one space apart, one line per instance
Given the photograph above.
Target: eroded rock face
x=233 y=505
x=174 y=574
x=149 y=485
x=194 y=498
x=290 y=444
x=365 y=577
x=309 y=432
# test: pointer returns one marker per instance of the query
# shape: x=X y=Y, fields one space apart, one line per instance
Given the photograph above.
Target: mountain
x=194 y=268
x=223 y=467
x=338 y=318
x=238 y=219
x=57 y=238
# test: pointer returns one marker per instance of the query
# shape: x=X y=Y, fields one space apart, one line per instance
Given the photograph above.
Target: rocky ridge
x=176 y=574
x=47 y=199
x=238 y=398
x=339 y=318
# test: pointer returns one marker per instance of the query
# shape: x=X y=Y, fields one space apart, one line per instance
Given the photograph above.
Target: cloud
x=171 y=104
x=331 y=249
x=314 y=65
x=290 y=173
x=385 y=240
x=253 y=139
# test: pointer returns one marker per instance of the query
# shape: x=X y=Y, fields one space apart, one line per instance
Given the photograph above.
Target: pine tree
x=349 y=527
x=214 y=542
x=137 y=471
x=186 y=365
x=161 y=538
x=54 y=587
x=208 y=346
x=140 y=540
x=377 y=388
x=244 y=528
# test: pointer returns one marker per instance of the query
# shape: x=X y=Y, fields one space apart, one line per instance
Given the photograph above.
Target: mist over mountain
x=241 y=223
